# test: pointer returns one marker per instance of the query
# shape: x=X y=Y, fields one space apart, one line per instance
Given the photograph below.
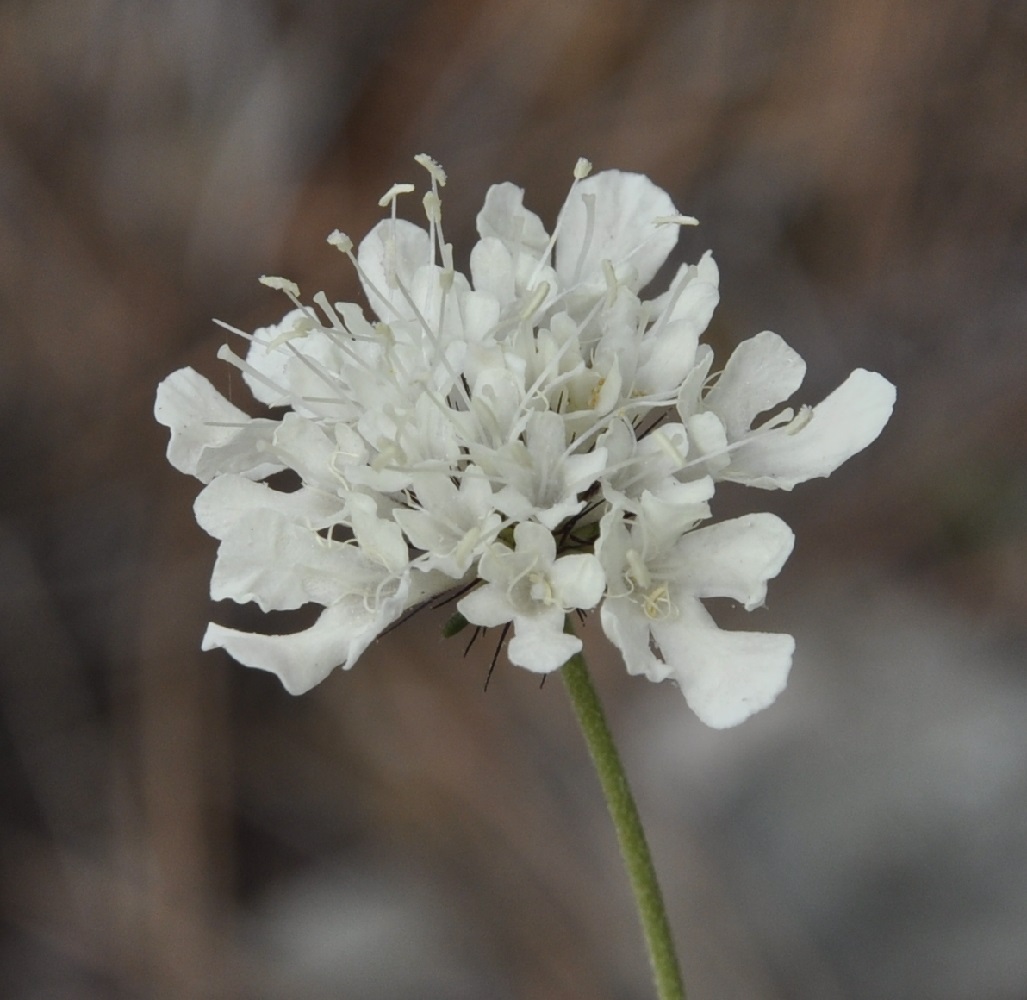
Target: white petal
x=338 y=637
x=303 y=659
x=669 y=348
x=627 y=627
x=761 y=373
x=378 y=538
x=268 y=356
x=210 y=436
x=304 y=446
x=578 y=581
x=282 y=566
x=709 y=443
x=487 y=606
x=504 y=216
x=389 y=257
x=622 y=229
x=725 y=676
x=734 y=558
x=226 y=499
x=533 y=539
x=540 y=643
x=663 y=519
x=689 y=401
x=816 y=443
x=492 y=269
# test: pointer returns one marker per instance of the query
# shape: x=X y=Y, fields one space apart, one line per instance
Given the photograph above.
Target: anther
x=582 y=169
x=281 y=285
x=438 y=175
x=341 y=242
x=432 y=207
x=676 y=220
x=326 y=307
x=393 y=193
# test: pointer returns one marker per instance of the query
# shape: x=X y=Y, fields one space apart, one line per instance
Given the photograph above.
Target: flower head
x=535 y=437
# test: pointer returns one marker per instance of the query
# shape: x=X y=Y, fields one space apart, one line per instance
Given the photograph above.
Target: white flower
x=788 y=448
x=658 y=568
x=533 y=438
x=532 y=588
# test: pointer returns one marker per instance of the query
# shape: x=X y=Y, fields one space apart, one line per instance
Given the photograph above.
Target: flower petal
x=210 y=436
x=389 y=257
x=725 y=676
x=540 y=644
x=504 y=216
x=629 y=631
x=670 y=347
x=340 y=635
x=578 y=581
x=619 y=227
x=761 y=373
x=304 y=659
x=282 y=565
x=817 y=441
x=226 y=499
x=734 y=558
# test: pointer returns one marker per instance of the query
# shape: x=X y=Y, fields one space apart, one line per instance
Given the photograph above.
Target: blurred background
x=176 y=826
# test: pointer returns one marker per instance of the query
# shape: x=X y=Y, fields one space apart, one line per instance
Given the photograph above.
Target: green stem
x=630 y=835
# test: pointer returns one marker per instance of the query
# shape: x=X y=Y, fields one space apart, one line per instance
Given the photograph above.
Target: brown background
x=173 y=825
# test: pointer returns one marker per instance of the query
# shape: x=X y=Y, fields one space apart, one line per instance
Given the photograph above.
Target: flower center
x=541 y=589
x=653 y=596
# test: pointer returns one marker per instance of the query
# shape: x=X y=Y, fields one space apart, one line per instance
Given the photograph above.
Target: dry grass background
x=175 y=826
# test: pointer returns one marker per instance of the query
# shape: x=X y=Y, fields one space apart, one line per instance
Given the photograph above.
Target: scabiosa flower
x=533 y=438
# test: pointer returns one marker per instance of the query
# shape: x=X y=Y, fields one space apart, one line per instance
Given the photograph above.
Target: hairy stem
x=630 y=834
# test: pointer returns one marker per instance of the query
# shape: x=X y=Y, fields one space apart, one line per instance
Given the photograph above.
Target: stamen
x=804 y=416
x=589 y=201
x=225 y=353
x=434 y=340
x=235 y=330
x=297 y=330
x=668 y=447
x=438 y=175
x=657 y=603
x=685 y=278
x=432 y=207
x=341 y=242
x=326 y=307
x=389 y=198
x=676 y=220
x=637 y=573
x=535 y=302
x=582 y=169
x=433 y=212
x=281 y=284
x=292 y=290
